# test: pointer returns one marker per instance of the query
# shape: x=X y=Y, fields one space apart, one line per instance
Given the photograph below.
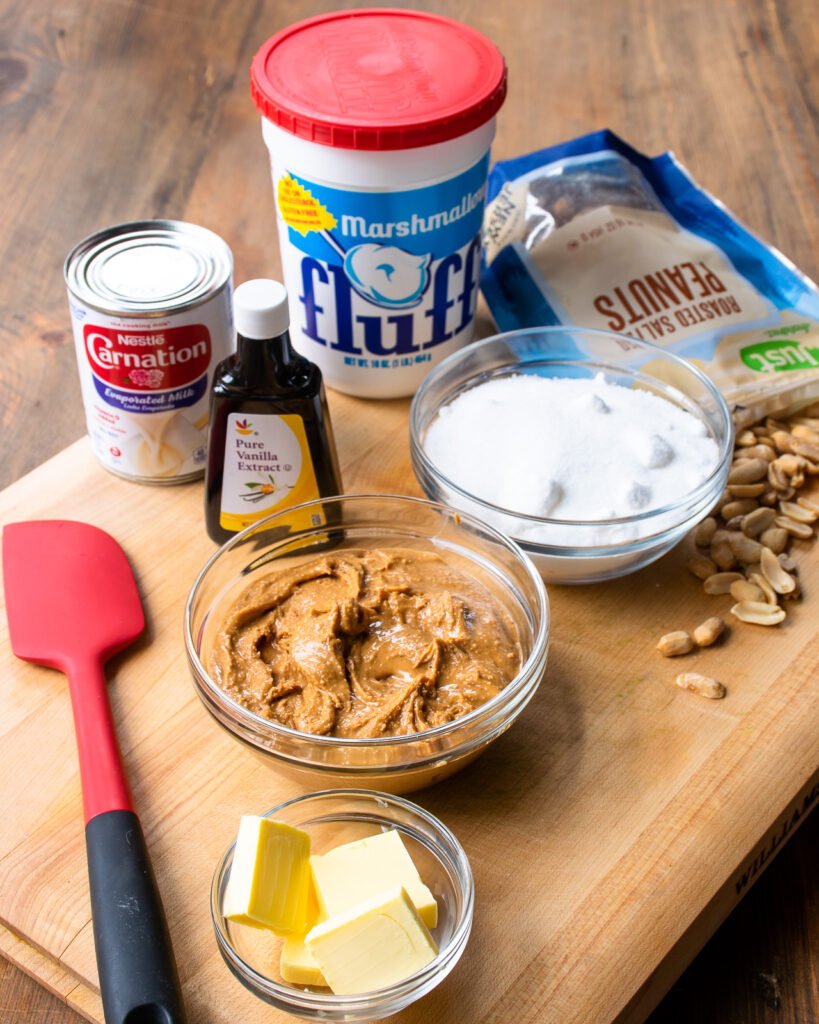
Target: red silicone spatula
x=72 y=603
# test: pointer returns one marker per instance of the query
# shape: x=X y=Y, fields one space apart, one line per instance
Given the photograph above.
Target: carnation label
x=146 y=390
x=267 y=465
x=150 y=308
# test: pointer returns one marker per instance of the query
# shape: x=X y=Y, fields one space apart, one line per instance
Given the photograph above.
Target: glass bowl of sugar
x=596 y=452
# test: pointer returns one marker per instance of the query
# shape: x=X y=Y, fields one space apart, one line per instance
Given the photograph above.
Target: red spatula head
x=70 y=593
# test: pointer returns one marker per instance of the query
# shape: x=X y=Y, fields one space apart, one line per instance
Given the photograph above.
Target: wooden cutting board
x=610 y=831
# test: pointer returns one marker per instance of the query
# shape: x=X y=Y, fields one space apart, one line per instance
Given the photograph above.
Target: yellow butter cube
x=297 y=965
x=358 y=871
x=269 y=877
x=374 y=944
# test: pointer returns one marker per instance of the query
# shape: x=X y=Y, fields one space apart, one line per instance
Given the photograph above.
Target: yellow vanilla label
x=267 y=468
x=300 y=209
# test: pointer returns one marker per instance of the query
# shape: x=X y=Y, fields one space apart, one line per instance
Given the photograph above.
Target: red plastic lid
x=378 y=79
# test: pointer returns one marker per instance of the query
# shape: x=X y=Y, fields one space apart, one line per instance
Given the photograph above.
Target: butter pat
x=377 y=943
x=269 y=876
x=361 y=870
x=297 y=964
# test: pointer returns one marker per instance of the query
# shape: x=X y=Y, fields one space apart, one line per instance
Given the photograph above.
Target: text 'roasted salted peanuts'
x=781 y=581
x=702 y=566
x=720 y=583
x=709 y=632
x=674 y=644
x=761 y=614
x=747 y=471
x=758 y=521
x=704 y=686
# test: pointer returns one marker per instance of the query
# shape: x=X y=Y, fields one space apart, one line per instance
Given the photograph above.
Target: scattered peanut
x=770 y=594
x=704 y=533
x=720 y=583
x=759 y=613
x=703 y=686
x=758 y=521
x=721 y=552
x=709 y=632
x=745 y=549
x=788 y=562
x=748 y=471
x=782 y=440
x=801 y=530
x=744 y=590
x=760 y=451
x=674 y=644
x=747 y=490
x=738 y=507
x=744 y=542
x=775 y=538
x=781 y=581
x=802 y=514
x=805 y=448
x=702 y=566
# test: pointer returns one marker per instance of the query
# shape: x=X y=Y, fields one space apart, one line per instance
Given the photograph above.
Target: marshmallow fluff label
x=381 y=283
x=267 y=466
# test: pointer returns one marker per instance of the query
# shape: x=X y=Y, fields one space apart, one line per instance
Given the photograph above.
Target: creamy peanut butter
x=364 y=643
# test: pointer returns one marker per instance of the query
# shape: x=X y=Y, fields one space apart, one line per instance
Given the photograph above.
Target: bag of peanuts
x=596 y=234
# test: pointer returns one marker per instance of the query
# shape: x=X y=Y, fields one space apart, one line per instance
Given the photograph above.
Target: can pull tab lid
x=260 y=309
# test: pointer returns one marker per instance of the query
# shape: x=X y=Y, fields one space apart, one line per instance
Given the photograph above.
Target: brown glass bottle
x=270 y=440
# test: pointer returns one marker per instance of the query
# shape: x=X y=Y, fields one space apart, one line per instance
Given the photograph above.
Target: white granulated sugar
x=573 y=449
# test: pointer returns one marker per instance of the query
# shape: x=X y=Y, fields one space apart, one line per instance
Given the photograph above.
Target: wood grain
x=638 y=809
x=113 y=110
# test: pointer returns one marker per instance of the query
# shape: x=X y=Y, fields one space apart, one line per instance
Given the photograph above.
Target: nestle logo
x=141 y=339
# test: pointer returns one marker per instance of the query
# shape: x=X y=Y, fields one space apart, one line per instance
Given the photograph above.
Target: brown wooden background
x=113 y=110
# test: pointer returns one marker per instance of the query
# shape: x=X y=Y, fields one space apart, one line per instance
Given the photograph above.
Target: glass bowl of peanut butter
x=381 y=642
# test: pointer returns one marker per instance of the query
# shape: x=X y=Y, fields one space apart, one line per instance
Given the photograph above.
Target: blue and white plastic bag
x=594 y=233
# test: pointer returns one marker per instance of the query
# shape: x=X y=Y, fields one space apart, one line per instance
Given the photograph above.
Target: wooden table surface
x=114 y=110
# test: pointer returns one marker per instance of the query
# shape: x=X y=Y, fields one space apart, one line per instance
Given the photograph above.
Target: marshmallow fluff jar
x=596 y=452
x=379 y=124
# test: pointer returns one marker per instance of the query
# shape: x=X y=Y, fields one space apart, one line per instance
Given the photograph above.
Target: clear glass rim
x=703 y=489
x=528 y=675
x=448 y=849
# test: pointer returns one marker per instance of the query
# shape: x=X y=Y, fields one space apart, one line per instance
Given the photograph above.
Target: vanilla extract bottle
x=270 y=440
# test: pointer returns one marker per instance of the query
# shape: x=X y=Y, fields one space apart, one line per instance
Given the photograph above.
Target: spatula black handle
x=138 y=977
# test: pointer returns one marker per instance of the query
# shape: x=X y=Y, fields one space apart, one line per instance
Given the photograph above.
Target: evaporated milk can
x=151 y=313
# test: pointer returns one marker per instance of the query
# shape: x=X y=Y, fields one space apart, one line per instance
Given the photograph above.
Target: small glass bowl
x=397 y=764
x=341 y=816
x=578 y=551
